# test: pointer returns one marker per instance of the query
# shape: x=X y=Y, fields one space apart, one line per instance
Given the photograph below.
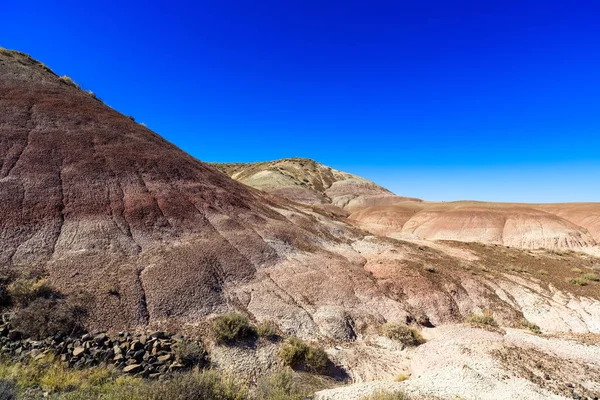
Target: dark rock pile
x=149 y=355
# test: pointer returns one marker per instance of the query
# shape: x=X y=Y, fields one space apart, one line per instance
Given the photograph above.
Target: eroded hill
x=159 y=239
x=531 y=226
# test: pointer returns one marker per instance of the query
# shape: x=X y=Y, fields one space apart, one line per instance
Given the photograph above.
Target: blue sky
x=442 y=100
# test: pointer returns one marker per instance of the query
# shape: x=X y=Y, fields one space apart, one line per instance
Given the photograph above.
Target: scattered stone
x=131 y=369
x=78 y=351
x=163 y=359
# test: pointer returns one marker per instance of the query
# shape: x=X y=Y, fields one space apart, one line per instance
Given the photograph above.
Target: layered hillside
x=530 y=226
x=158 y=239
x=304 y=180
x=104 y=204
x=374 y=208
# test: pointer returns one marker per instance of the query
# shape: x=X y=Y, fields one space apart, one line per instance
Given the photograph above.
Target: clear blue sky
x=443 y=100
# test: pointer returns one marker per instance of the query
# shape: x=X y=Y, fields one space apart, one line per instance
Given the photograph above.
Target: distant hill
x=374 y=208
x=304 y=180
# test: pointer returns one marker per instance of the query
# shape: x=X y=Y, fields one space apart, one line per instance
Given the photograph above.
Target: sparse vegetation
x=231 y=327
x=401 y=377
x=23 y=291
x=591 y=277
x=403 y=333
x=299 y=355
x=531 y=326
x=267 y=329
x=576 y=270
x=578 y=281
x=40 y=310
x=543 y=272
x=281 y=386
x=66 y=79
x=189 y=353
x=518 y=269
x=381 y=395
x=45 y=317
x=49 y=375
x=482 y=319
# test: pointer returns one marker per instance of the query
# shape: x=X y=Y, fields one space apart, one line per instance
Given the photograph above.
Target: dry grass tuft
x=403 y=333
x=482 y=319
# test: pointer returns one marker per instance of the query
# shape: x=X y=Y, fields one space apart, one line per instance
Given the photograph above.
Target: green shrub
x=578 y=281
x=293 y=351
x=23 y=291
x=482 y=319
x=298 y=355
x=402 y=333
x=189 y=353
x=230 y=327
x=316 y=360
x=280 y=386
x=576 y=270
x=267 y=329
x=591 y=277
x=531 y=326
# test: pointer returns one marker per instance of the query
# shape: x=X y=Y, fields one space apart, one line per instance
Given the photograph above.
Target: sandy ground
x=465 y=362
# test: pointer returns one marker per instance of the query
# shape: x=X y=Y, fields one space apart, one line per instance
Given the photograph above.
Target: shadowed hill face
x=304 y=181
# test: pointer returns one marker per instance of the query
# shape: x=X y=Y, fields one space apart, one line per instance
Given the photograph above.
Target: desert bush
x=401 y=377
x=23 y=291
x=267 y=329
x=197 y=385
x=543 y=272
x=316 y=360
x=576 y=270
x=280 y=386
x=230 y=327
x=591 y=277
x=578 y=281
x=299 y=355
x=531 y=326
x=189 y=353
x=293 y=351
x=482 y=319
x=44 y=317
x=66 y=79
x=381 y=395
x=405 y=334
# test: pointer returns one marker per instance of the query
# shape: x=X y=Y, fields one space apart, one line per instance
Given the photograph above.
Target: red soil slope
x=105 y=204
